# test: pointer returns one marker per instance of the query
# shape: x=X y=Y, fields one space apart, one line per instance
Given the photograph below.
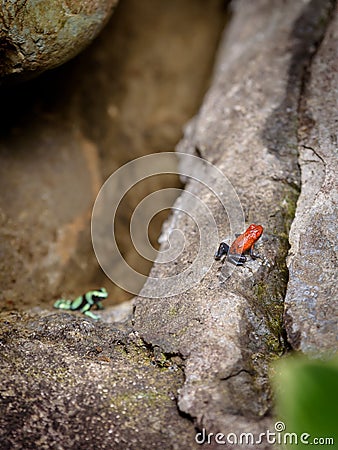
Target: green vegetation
x=307 y=400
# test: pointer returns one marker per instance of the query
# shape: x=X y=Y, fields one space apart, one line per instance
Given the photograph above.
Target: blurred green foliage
x=307 y=399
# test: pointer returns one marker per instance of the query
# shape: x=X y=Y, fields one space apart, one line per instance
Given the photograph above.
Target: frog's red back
x=247 y=239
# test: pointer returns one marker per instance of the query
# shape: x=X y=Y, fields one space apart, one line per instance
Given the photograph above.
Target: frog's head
x=99 y=294
x=255 y=231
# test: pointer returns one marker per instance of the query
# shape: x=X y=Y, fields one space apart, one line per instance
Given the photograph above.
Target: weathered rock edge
x=229 y=329
x=311 y=303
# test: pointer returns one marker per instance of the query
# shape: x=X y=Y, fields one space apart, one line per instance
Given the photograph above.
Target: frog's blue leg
x=253 y=256
x=236 y=259
x=233 y=258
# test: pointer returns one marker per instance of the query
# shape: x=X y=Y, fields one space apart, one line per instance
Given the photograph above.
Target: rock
x=36 y=36
x=311 y=303
x=206 y=342
x=49 y=179
x=229 y=326
x=65 y=132
x=67 y=382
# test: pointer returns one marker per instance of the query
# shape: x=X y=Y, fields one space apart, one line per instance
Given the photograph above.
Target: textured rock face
x=64 y=133
x=69 y=383
x=40 y=35
x=49 y=179
x=229 y=326
x=311 y=314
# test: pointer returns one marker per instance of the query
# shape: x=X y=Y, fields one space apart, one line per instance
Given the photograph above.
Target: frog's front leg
x=223 y=249
x=253 y=256
x=86 y=311
x=91 y=315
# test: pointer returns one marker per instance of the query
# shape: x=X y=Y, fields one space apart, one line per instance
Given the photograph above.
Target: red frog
x=243 y=243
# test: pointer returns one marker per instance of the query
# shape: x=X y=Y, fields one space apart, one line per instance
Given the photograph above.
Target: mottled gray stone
x=67 y=382
x=311 y=303
x=40 y=35
x=229 y=326
x=63 y=133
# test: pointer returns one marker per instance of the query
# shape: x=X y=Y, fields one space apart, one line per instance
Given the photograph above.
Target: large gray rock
x=229 y=326
x=63 y=133
x=311 y=314
x=35 y=36
x=69 y=383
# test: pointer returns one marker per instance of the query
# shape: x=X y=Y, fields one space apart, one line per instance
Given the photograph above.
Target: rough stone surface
x=44 y=218
x=228 y=328
x=69 y=383
x=311 y=313
x=35 y=36
x=62 y=134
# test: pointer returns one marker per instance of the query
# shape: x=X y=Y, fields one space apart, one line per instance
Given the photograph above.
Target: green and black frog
x=84 y=303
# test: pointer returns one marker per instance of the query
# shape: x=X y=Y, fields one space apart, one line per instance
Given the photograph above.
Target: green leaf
x=307 y=400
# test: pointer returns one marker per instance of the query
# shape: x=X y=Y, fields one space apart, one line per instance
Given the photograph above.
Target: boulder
x=229 y=326
x=36 y=36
